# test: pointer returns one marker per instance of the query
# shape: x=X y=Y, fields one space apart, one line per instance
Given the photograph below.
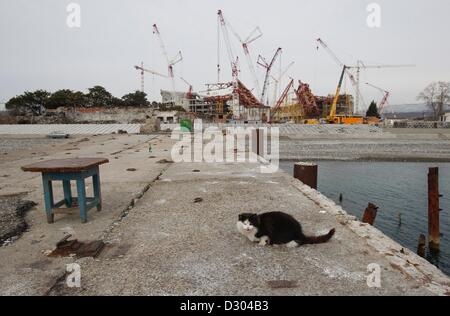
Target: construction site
x=265 y=101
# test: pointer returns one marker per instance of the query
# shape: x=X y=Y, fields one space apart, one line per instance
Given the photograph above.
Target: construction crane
x=268 y=66
x=281 y=99
x=384 y=101
x=189 y=93
x=170 y=63
x=143 y=70
x=341 y=64
x=234 y=61
x=360 y=65
x=277 y=81
x=331 y=118
x=253 y=36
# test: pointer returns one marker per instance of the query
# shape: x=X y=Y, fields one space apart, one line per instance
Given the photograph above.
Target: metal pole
x=433 y=209
x=257 y=141
x=306 y=173
x=421 y=245
x=369 y=214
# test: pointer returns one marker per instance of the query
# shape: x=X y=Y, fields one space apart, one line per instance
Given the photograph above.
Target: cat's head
x=249 y=221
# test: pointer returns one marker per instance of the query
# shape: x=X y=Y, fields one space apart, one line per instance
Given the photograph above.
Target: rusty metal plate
x=66 y=248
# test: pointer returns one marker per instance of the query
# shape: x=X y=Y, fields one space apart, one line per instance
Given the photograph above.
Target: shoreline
x=372 y=159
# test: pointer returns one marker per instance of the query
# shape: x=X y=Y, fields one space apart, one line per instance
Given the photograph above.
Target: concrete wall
x=116 y=115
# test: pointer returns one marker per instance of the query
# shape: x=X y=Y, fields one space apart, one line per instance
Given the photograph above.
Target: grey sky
x=38 y=50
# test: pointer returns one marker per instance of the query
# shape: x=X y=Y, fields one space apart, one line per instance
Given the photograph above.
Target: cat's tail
x=318 y=239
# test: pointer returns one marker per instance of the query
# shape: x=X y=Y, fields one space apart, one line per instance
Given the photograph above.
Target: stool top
x=65 y=165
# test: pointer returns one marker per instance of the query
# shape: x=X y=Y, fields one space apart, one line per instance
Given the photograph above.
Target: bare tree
x=436 y=95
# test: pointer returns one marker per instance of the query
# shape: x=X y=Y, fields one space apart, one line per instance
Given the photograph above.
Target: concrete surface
x=24 y=266
x=170 y=245
x=160 y=242
x=77 y=129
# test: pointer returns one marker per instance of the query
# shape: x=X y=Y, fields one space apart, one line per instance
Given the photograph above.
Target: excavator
x=333 y=118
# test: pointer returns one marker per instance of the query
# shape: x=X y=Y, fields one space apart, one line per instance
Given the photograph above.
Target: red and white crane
x=277 y=82
x=384 y=101
x=280 y=101
x=268 y=66
x=253 y=36
x=170 y=63
x=189 y=93
x=360 y=65
x=234 y=61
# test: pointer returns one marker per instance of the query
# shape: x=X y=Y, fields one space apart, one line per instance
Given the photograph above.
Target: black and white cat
x=277 y=228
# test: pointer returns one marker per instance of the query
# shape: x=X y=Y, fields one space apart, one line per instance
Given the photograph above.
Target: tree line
x=36 y=102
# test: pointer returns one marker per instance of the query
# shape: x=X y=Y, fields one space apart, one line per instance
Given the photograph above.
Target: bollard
x=369 y=214
x=258 y=142
x=433 y=209
x=307 y=173
x=421 y=246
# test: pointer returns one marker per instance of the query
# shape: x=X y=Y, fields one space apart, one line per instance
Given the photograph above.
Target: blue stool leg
x=81 y=190
x=48 y=198
x=67 y=193
x=97 y=190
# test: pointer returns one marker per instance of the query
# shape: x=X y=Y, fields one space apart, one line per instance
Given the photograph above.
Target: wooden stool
x=66 y=170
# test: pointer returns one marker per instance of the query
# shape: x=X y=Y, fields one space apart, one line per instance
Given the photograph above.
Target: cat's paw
x=264 y=241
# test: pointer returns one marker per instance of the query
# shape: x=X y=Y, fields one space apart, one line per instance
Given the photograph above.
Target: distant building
x=238 y=104
x=344 y=105
x=166 y=117
x=445 y=117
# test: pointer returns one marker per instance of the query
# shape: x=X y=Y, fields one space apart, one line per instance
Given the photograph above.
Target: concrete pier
x=171 y=231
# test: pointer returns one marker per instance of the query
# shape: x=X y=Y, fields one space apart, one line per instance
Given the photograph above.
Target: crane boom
x=253 y=36
x=336 y=96
x=262 y=62
x=226 y=37
x=360 y=65
x=189 y=93
x=277 y=81
x=170 y=63
x=337 y=60
x=142 y=69
x=281 y=99
x=386 y=95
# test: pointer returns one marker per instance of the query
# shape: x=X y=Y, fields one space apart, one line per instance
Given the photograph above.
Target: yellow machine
x=311 y=121
x=332 y=118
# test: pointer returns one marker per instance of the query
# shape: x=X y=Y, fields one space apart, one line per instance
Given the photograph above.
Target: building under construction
x=302 y=105
x=227 y=104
